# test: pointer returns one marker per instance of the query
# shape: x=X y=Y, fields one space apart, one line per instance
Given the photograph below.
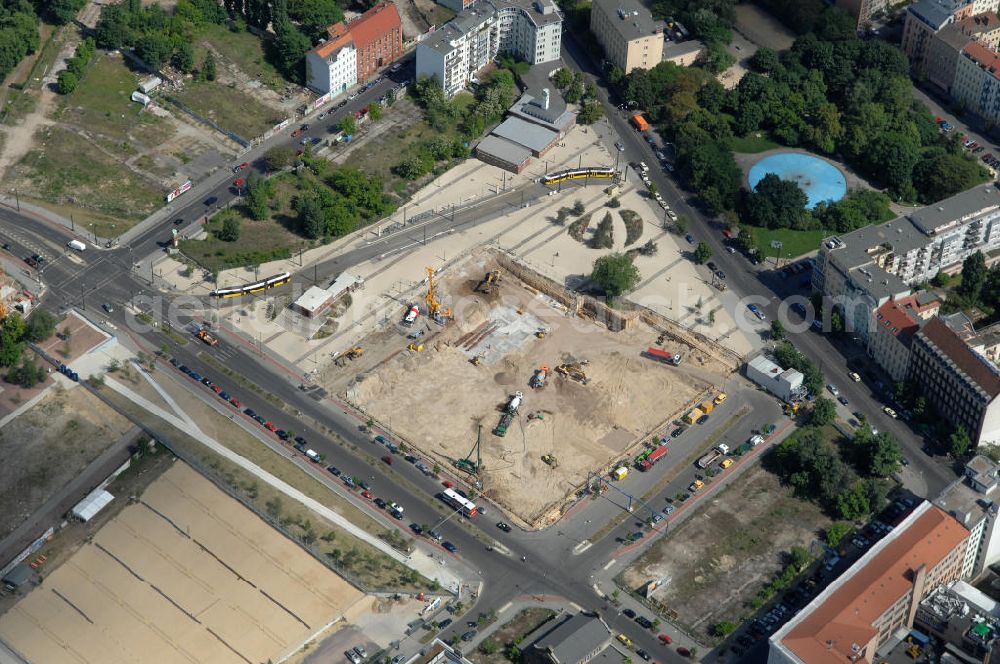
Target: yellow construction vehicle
x=477 y=360
x=575 y=371
x=434 y=309
x=550 y=460
x=416 y=348
x=541 y=333
x=354 y=352
x=489 y=282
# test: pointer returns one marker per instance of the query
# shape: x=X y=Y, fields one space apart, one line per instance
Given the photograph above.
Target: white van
x=312 y=456
x=76 y=244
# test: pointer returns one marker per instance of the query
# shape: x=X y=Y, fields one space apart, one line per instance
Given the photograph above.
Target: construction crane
x=434 y=309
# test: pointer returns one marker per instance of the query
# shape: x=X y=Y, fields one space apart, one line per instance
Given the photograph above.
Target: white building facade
x=332 y=68
x=530 y=30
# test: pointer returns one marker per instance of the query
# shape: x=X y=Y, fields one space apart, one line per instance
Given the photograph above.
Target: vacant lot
x=379 y=155
x=102 y=107
x=184 y=574
x=48 y=445
x=260 y=241
x=438 y=399
x=719 y=559
x=240 y=50
x=229 y=108
x=66 y=171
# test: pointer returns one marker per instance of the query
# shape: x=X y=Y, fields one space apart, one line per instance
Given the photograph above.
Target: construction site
x=520 y=386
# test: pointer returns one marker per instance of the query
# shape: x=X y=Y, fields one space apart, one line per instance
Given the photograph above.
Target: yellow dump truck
x=620 y=473
x=707 y=407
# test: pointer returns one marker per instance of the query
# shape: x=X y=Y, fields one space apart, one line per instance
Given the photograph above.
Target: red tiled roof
x=827 y=632
x=335 y=42
x=966 y=359
x=895 y=318
x=985 y=57
x=374 y=23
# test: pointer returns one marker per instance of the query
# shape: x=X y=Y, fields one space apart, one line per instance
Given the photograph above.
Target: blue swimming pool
x=820 y=180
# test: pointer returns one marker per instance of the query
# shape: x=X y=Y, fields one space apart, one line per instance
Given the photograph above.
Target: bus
x=256 y=287
x=577 y=174
x=456 y=500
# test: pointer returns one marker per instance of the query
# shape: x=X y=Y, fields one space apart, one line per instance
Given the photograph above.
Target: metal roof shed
x=87 y=509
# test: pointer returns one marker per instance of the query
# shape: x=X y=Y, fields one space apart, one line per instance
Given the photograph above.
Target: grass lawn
x=229 y=108
x=243 y=49
x=102 y=106
x=794 y=243
x=260 y=241
x=752 y=144
x=65 y=172
x=378 y=156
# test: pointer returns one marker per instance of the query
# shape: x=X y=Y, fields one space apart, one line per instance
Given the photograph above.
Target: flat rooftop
x=532 y=136
x=630 y=18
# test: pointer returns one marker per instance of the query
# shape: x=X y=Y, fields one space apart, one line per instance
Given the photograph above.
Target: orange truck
x=640 y=122
x=207 y=338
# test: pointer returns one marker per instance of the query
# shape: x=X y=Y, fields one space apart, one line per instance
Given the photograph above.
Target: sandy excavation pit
x=436 y=399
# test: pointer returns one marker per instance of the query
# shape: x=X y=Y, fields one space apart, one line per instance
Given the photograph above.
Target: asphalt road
x=753 y=285
x=95 y=277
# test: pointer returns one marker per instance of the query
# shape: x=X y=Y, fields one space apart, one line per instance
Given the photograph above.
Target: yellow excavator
x=434 y=309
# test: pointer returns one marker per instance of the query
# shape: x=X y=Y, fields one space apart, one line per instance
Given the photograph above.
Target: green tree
x=974 y=275
x=278 y=158
x=878 y=454
x=375 y=111
x=615 y=274
x=836 y=533
x=183 y=58
x=854 y=503
x=764 y=60
x=208 y=67
x=154 y=48
x=777 y=330
x=702 y=253
x=230 y=231
x=590 y=113
x=258 y=196
x=563 y=78
x=61 y=11
x=798 y=559
x=311 y=221
x=489 y=647
x=775 y=203
x=347 y=125
x=958 y=443
x=41 y=325
x=289 y=52
x=724 y=628
x=11 y=339
x=824 y=411
x=943 y=175
x=67 y=82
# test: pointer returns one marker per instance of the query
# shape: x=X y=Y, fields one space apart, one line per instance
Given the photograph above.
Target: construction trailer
x=663 y=356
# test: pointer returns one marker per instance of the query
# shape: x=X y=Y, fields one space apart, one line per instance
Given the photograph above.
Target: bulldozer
x=541 y=332
x=574 y=370
x=550 y=460
x=416 y=348
x=489 y=282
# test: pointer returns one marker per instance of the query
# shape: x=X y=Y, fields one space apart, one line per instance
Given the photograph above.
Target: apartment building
x=528 y=29
x=866 y=268
x=977 y=80
x=974 y=501
x=372 y=41
x=895 y=323
x=332 y=67
x=926 y=18
x=946 y=46
x=865 y=11
x=858 y=612
x=963 y=386
x=626 y=30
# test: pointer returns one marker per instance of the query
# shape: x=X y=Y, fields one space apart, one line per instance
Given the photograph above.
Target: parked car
x=468 y=636
x=451 y=547
x=628 y=613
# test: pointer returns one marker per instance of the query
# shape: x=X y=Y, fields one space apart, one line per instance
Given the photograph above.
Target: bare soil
x=761 y=28
x=47 y=445
x=183 y=573
x=719 y=559
x=437 y=399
